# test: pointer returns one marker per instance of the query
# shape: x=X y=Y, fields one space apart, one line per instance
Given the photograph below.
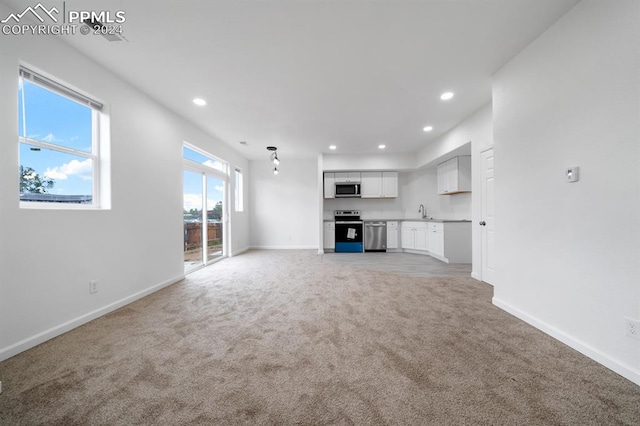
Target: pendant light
x=274 y=158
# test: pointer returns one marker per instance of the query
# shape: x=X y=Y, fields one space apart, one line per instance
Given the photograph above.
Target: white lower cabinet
x=392 y=235
x=446 y=241
x=436 y=238
x=415 y=235
x=407 y=237
x=329 y=235
x=422 y=238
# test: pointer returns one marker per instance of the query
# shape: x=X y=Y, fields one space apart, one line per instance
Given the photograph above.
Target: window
x=205 y=182
x=58 y=133
x=239 y=193
x=203 y=159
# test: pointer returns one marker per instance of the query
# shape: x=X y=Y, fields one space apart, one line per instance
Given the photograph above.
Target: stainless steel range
x=349 y=231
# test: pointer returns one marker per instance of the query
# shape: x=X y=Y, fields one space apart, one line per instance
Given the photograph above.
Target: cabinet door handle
x=483 y=223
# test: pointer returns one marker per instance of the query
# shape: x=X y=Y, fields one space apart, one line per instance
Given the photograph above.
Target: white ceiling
x=302 y=75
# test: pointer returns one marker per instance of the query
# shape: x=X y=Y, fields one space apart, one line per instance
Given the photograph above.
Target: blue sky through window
x=192 y=197
x=48 y=117
x=192 y=182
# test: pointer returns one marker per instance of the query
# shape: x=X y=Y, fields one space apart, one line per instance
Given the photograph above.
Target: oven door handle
x=347 y=222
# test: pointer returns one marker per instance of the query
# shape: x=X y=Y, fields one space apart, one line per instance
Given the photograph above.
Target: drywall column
x=567 y=254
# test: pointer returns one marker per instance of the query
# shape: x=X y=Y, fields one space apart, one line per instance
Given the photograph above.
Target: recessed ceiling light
x=382 y=146
x=427 y=128
x=446 y=96
x=332 y=147
x=199 y=101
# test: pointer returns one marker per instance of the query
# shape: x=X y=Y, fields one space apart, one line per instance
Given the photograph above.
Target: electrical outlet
x=93 y=287
x=632 y=328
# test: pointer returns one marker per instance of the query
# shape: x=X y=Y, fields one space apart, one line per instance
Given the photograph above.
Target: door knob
x=483 y=223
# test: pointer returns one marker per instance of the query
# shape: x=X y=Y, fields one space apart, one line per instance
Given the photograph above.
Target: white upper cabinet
x=454 y=176
x=371 y=185
x=389 y=184
x=379 y=184
x=347 y=177
x=329 y=185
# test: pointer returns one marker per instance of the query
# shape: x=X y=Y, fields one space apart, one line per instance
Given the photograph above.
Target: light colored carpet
x=280 y=337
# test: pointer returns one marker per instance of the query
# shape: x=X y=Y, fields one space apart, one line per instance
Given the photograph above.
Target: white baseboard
x=285 y=247
x=420 y=252
x=237 y=252
x=440 y=258
x=476 y=276
x=622 y=369
x=42 y=337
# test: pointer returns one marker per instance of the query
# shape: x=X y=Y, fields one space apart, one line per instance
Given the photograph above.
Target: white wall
x=383 y=161
x=473 y=128
x=421 y=187
x=284 y=208
x=568 y=254
x=48 y=257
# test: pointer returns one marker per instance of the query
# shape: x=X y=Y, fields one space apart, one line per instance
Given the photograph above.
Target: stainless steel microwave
x=347 y=189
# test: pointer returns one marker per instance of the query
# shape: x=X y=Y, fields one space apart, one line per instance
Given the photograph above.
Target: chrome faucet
x=422 y=210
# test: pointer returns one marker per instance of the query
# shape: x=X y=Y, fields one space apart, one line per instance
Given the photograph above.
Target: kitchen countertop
x=418 y=220
x=411 y=220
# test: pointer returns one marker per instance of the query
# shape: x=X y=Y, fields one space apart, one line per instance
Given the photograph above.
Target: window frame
x=223 y=171
x=214 y=172
x=65 y=91
x=238 y=190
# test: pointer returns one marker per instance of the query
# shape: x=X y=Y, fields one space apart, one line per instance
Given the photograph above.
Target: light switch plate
x=573 y=173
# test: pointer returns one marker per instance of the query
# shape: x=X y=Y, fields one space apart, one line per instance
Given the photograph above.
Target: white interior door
x=487 y=220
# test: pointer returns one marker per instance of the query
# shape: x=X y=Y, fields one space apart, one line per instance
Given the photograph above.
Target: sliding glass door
x=192 y=219
x=215 y=223
x=204 y=208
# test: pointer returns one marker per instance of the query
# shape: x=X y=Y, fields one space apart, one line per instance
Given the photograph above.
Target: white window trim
x=194 y=166
x=238 y=191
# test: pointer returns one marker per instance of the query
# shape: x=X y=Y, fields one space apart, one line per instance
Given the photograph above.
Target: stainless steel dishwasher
x=375 y=236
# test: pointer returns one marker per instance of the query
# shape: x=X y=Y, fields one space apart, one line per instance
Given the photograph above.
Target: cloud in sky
x=82 y=169
x=194 y=201
x=51 y=138
x=214 y=165
x=218 y=188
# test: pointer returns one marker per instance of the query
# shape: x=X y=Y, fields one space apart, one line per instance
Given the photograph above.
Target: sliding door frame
x=205 y=171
